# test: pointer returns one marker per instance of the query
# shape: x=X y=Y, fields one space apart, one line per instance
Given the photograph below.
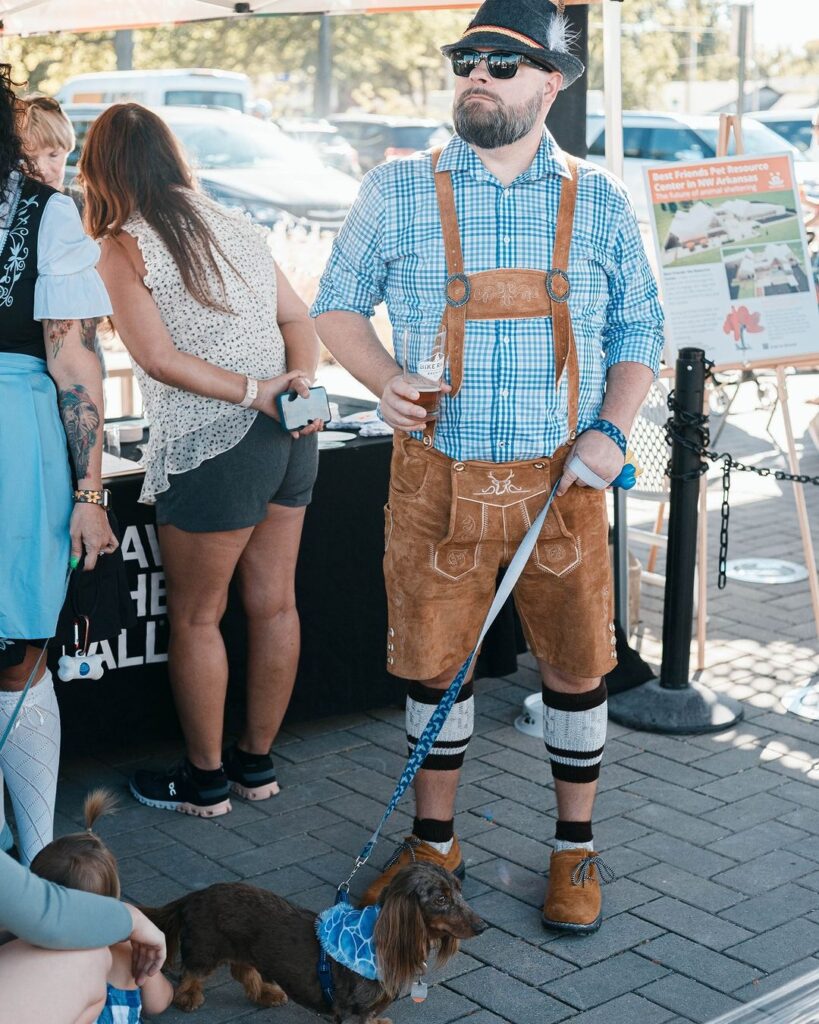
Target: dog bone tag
x=418 y=992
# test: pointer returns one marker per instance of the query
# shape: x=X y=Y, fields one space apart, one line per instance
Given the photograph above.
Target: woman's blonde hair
x=82 y=860
x=43 y=125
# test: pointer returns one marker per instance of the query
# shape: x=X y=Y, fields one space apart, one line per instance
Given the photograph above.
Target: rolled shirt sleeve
x=634 y=319
x=67 y=287
x=53 y=917
x=355 y=275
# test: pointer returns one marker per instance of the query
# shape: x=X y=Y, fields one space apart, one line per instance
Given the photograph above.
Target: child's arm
x=157 y=993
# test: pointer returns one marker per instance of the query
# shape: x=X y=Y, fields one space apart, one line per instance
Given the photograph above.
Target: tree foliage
x=391 y=62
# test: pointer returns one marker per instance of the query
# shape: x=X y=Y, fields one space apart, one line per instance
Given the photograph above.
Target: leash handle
x=427 y=739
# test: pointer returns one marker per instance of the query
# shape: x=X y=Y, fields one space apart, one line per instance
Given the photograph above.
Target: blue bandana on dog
x=346 y=934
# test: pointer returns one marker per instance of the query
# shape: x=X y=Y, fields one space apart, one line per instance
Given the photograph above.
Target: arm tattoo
x=81 y=421
x=88 y=332
x=57 y=333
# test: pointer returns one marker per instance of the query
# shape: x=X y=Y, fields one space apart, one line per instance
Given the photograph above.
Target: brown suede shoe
x=573 y=899
x=410 y=850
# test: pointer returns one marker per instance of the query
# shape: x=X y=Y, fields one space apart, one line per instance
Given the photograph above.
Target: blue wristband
x=610 y=430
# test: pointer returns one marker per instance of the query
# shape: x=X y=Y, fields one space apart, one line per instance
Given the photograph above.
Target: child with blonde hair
x=83 y=861
x=47 y=136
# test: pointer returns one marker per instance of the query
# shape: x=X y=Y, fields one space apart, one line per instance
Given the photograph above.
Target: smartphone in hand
x=296 y=412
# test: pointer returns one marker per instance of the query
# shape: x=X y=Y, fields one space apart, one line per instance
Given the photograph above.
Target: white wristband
x=251 y=390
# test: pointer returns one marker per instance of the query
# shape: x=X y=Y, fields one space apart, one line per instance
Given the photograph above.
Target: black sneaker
x=176 y=790
x=251 y=776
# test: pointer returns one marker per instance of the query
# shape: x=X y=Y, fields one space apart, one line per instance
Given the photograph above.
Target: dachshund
x=273 y=951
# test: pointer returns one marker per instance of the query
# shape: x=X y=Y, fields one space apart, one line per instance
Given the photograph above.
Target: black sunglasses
x=499 y=63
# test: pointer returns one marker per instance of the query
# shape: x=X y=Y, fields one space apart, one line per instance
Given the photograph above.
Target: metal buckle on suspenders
x=565 y=288
x=464 y=280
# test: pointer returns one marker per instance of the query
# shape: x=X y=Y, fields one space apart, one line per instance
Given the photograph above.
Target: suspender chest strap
x=509 y=293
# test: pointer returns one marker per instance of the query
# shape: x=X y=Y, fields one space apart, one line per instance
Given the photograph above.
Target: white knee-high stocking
x=29 y=763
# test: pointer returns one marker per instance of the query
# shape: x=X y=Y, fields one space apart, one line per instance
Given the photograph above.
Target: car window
x=633 y=137
x=203 y=98
x=417 y=136
x=350 y=130
x=80 y=132
x=757 y=140
x=245 y=143
x=597 y=147
x=674 y=144
x=798 y=133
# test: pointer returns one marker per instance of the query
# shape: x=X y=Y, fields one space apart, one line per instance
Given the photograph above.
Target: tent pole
x=613 y=99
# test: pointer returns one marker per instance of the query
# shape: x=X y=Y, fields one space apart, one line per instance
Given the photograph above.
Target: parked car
x=650 y=139
x=243 y=162
x=190 y=87
x=377 y=138
x=795 y=126
x=328 y=142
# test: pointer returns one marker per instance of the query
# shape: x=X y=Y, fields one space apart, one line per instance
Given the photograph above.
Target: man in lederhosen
x=533 y=262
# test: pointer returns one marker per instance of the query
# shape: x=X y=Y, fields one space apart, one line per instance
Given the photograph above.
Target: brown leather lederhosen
x=450 y=524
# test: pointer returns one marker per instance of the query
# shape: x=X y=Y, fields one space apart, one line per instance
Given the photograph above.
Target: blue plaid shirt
x=391 y=249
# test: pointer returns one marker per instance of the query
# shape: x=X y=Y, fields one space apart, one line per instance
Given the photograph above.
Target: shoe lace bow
x=409 y=845
x=583 y=870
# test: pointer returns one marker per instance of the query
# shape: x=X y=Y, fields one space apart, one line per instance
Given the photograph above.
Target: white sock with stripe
x=448 y=750
x=574 y=731
x=30 y=761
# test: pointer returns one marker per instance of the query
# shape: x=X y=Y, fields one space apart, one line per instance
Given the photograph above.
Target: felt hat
x=535 y=28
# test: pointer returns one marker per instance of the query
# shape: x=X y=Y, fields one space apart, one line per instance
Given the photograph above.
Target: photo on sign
x=695 y=233
x=759 y=270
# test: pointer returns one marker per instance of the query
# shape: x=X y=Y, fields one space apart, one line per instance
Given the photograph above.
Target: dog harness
x=345 y=934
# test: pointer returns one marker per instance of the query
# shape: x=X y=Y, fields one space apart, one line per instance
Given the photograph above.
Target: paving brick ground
x=714 y=839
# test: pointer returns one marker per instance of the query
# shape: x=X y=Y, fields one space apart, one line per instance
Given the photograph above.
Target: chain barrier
x=699 y=421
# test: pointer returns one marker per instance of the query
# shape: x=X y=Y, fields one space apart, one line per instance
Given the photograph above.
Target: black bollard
x=681 y=551
x=672 y=704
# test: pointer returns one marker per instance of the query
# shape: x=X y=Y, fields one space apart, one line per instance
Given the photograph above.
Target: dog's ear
x=447 y=948
x=401 y=942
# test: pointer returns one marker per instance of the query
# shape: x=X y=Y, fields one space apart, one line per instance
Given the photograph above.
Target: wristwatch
x=102 y=498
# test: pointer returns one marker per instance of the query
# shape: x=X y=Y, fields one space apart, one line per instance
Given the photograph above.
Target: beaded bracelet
x=611 y=430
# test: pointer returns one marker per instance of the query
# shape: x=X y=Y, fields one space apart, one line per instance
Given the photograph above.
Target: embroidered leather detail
x=507 y=295
x=503 y=486
x=16 y=240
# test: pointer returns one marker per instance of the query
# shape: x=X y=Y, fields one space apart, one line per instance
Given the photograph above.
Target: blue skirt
x=35 y=500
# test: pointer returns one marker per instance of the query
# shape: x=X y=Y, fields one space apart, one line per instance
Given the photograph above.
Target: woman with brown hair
x=216 y=333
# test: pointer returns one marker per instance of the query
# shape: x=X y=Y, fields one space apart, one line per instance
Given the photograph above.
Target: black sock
x=573 y=831
x=203 y=777
x=245 y=758
x=433 y=831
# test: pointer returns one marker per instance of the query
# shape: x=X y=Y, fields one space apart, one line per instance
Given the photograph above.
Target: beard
x=492 y=126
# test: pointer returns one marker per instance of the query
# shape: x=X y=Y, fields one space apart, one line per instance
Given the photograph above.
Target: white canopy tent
x=24 y=17
x=30 y=17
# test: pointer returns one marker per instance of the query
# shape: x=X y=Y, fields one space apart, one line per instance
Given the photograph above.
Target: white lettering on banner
x=152 y=656
x=141 y=545
x=123 y=661
x=140 y=595
x=153 y=542
x=158 y=606
x=132 y=547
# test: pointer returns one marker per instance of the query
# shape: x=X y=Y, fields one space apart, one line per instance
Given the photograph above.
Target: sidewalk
x=714 y=839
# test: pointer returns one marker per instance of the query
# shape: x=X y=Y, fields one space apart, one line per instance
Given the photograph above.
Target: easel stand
x=729 y=123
